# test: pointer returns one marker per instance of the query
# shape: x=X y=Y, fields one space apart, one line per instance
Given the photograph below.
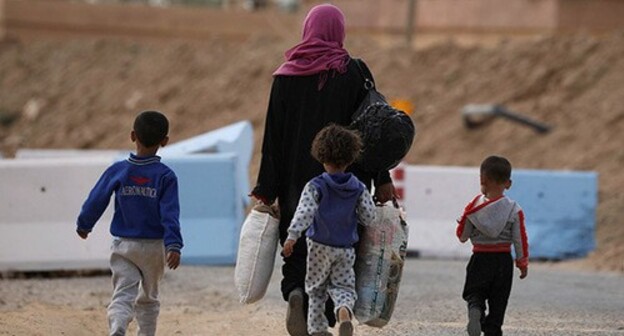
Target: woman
x=318 y=84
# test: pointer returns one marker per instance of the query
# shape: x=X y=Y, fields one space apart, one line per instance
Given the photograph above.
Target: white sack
x=256 y=254
x=379 y=266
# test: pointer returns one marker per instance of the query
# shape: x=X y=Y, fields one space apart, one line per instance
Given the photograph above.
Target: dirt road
x=203 y=301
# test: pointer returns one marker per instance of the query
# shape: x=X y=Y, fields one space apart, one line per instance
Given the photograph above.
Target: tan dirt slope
x=85 y=93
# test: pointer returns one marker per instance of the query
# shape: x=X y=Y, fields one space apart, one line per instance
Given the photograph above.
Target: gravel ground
x=550 y=301
x=553 y=300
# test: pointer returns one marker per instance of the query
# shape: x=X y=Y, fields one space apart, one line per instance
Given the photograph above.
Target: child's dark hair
x=336 y=145
x=496 y=168
x=151 y=127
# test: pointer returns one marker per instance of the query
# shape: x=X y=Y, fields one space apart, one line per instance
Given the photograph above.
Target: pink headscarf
x=320 y=49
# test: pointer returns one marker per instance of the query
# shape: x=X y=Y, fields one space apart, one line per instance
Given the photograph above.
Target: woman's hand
x=385 y=193
x=288 y=247
x=257 y=199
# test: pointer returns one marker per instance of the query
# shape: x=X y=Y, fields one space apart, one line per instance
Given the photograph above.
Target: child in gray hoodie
x=493 y=223
x=330 y=208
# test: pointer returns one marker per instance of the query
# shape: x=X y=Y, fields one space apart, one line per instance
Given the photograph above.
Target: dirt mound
x=85 y=94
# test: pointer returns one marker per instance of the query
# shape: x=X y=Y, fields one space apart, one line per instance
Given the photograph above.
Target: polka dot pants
x=330 y=272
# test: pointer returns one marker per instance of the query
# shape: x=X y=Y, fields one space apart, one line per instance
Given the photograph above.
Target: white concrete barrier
x=42 y=191
x=40 y=202
x=235 y=138
x=434 y=198
x=560 y=209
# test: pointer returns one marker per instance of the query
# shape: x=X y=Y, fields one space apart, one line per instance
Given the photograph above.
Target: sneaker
x=345 y=327
x=295 y=317
x=474 y=321
x=116 y=328
x=116 y=331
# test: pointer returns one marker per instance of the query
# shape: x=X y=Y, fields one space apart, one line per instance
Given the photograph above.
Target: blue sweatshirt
x=146 y=201
x=330 y=208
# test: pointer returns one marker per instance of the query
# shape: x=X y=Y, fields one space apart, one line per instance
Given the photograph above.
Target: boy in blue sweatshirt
x=145 y=225
x=330 y=208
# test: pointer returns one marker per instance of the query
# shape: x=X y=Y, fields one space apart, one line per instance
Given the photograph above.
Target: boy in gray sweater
x=493 y=223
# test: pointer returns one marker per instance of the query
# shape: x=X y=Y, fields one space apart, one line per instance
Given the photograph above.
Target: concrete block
x=211 y=211
x=235 y=138
x=42 y=198
x=560 y=209
x=40 y=202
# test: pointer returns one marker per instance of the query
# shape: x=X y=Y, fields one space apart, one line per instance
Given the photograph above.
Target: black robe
x=297 y=111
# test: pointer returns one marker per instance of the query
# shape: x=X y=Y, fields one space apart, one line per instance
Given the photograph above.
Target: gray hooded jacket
x=493 y=226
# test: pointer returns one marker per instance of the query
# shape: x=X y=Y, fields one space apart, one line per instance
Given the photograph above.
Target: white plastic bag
x=256 y=254
x=379 y=266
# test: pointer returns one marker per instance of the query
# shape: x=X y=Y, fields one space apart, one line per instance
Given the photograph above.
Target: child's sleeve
x=97 y=201
x=365 y=208
x=170 y=213
x=306 y=209
x=464 y=229
x=464 y=226
x=520 y=240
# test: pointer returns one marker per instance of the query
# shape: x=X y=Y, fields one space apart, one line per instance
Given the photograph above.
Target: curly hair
x=336 y=145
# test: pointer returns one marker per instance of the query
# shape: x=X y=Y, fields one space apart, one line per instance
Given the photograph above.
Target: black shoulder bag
x=387 y=133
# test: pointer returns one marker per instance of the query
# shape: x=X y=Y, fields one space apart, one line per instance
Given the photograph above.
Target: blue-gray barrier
x=211 y=212
x=560 y=209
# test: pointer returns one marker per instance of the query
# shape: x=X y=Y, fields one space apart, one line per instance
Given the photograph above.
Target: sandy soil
x=85 y=93
x=203 y=301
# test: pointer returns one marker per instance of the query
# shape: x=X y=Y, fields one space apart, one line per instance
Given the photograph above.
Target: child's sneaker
x=295 y=315
x=474 y=321
x=116 y=328
x=345 y=326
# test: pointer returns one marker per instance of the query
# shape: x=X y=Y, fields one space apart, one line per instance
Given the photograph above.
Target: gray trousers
x=330 y=272
x=137 y=266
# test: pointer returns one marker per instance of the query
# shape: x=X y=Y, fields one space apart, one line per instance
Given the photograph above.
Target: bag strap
x=369 y=82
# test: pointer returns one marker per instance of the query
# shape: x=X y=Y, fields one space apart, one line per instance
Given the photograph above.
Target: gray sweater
x=493 y=226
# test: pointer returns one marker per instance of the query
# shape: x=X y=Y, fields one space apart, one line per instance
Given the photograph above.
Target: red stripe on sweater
x=492 y=248
x=481 y=206
x=470 y=209
x=524 y=261
x=461 y=223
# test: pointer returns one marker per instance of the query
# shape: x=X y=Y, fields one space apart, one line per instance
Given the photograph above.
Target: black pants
x=488 y=279
x=294 y=273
